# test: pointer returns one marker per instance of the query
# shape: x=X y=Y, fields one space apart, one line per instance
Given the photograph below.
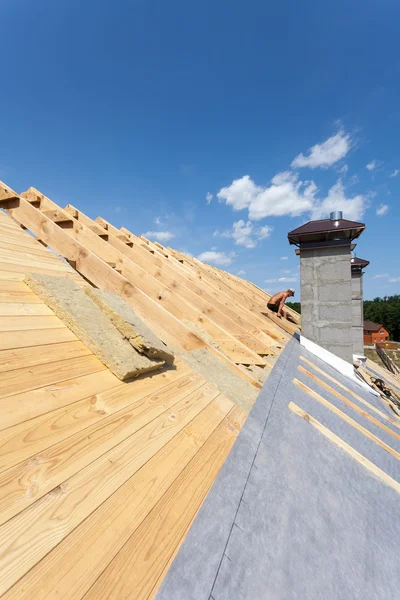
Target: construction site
x=165 y=435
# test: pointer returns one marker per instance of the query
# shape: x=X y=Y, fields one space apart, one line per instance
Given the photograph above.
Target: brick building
x=374 y=333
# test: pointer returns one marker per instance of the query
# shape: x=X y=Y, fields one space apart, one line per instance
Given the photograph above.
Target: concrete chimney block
x=326 y=285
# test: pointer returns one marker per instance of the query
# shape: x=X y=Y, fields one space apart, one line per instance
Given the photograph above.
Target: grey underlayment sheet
x=291 y=515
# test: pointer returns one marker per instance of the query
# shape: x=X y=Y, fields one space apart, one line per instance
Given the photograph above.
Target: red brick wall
x=376 y=337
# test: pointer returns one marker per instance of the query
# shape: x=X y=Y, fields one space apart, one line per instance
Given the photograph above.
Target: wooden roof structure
x=104 y=483
x=100 y=480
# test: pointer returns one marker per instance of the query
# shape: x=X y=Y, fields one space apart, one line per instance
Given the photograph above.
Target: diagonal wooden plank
x=29 y=536
x=120 y=414
x=367 y=464
x=354 y=406
x=110 y=526
x=35 y=337
x=27 y=405
x=147 y=554
x=30 y=378
x=347 y=419
x=13 y=309
x=21 y=358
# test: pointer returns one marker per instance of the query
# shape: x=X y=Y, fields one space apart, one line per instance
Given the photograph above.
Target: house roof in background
x=371 y=326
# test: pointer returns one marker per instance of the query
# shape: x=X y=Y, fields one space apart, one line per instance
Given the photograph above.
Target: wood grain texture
x=27 y=405
x=34 y=532
x=20 y=358
x=35 y=337
x=30 y=378
x=110 y=526
x=13 y=309
x=148 y=553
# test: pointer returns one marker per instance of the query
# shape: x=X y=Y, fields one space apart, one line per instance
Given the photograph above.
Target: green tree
x=385 y=311
x=295 y=306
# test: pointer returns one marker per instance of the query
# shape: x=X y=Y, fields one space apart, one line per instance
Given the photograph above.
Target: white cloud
x=286 y=196
x=289 y=196
x=395 y=173
x=344 y=169
x=354 y=179
x=371 y=166
x=382 y=210
x=160 y=236
x=281 y=280
x=394 y=280
x=381 y=276
x=264 y=232
x=209 y=197
x=242 y=233
x=353 y=208
x=286 y=271
x=220 y=259
x=326 y=154
x=284 y=257
x=157 y=220
x=241 y=272
x=245 y=234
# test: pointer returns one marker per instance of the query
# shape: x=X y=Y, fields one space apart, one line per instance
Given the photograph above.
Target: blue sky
x=224 y=124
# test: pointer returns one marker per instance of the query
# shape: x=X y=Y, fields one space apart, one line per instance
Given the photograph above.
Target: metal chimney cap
x=336 y=215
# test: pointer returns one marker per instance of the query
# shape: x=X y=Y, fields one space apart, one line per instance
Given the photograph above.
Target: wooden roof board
x=71 y=438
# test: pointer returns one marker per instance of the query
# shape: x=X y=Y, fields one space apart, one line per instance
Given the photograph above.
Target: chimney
x=357 y=266
x=325 y=248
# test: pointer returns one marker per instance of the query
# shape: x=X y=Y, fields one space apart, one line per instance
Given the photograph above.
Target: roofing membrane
x=307 y=503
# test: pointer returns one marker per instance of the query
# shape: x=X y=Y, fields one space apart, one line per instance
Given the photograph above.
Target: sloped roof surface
x=371 y=326
x=359 y=262
x=101 y=479
x=325 y=228
x=307 y=503
x=327 y=225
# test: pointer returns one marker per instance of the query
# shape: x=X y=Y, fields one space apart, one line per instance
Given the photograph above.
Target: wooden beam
x=346 y=389
x=170 y=329
x=347 y=419
x=362 y=460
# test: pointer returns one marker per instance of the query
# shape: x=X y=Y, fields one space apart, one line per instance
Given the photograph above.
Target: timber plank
x=13 y=309
x=81 y=420
x=30 y=378
x=110 y=526
x=28 y=405
x=235 y=352
x=356 y=408
x=147 y=554
x=34 y=532
x=32 y=248
x=9 y=243
x=360 y=458
x=25 y=266
x=35 y=337
x=165 y=325
x=24 y=322
x=349 y=420
x=11 y=296
x=19 y=358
